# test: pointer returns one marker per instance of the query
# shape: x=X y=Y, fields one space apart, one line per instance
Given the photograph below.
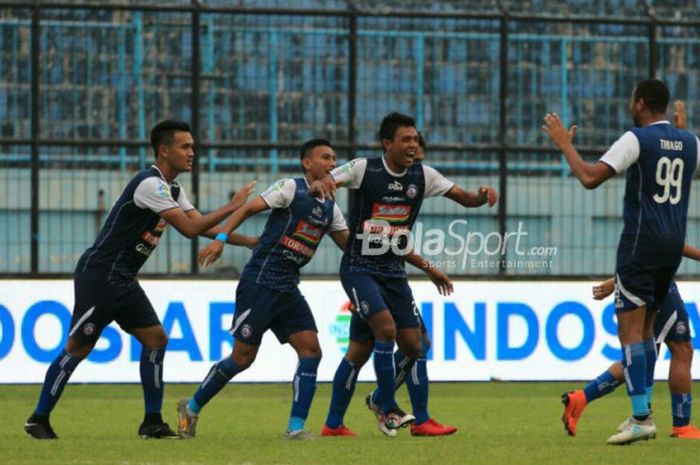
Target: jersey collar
x=665 y=121
x=159 y=172
x=393 y=173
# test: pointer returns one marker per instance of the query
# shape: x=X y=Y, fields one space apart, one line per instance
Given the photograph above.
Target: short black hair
x=162 y=133
x=391 y=123
x=655 y=94
x=421 y=141
x=310 y=145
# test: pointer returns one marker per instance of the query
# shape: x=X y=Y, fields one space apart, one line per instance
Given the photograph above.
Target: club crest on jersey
x=395 y=186
x=317 y=211
x=681 y=328
x=246 y=330
x=89 y=329
x=391 y=213
x=412 y=191
x=163 y=191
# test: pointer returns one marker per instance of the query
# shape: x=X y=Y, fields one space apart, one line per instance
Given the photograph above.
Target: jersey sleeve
x=154 y=193
x=351 y=173
x=183 y=201
x=435 y=183
x=338 y=223
x=697 y=143
x=623 y=153
x=280 y=194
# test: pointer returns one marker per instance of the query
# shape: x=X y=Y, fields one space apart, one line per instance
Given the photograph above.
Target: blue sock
x=651 y=354
x=417 y=384
x=403 y=365
x=343 y=388
x=56 y=378
x=220 y=374
x=681 y=405
x=151 y=370
x=304 y=386
x=634 y=367
x=384 y=370
x=601 y=386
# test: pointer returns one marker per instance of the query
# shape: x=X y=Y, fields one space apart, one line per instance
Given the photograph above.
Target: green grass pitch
x=499 y=423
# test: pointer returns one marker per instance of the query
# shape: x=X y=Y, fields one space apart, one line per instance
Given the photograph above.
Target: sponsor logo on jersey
x=395 y=186
x=160 y=227
x=150 y=239
x=144 y=249
x=346 y=168
x=391 y=213
x=381 y=228
x=308 y=233
x=277 y=186
x=297 y=247
x=163 y=191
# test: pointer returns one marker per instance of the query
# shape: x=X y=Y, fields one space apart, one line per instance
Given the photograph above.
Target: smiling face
x=318 y=162
x=179 y=153
x=402 y=149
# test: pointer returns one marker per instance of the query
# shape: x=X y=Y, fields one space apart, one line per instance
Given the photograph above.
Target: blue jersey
x=385 y=209
x=133 y=227
x=292 y=233
x=657 y=193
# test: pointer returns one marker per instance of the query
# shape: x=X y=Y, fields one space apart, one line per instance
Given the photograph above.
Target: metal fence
x=81 y=83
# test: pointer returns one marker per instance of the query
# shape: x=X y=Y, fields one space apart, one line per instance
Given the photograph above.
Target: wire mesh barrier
x=81 y=83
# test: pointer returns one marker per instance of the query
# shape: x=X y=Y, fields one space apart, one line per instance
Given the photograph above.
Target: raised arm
x=680 y=118
x=193 y=225
x=233 y=238
x=473 y=199
x=212 y=251
x=591 y=175
x=348 y=175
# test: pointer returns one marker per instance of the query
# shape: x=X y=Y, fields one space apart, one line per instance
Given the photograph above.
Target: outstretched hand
x=210 y=253
x=323 y=188
x=441 y=280
x=488 y=195
x=603 y=289
x=557 y=132
x=242 y=194
x=680 y=117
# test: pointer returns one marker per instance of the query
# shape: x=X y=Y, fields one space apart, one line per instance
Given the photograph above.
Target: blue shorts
x=98 y=303
x=372 y=294
x=671 y=323
x=638 y=284
x=259 y=308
